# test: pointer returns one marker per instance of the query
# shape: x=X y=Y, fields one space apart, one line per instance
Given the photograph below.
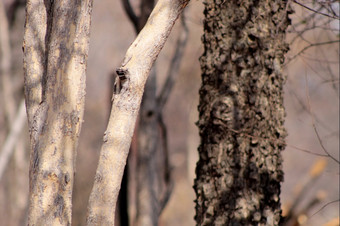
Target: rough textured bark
x=241 y=113
x=55 y=52
x=128 y=92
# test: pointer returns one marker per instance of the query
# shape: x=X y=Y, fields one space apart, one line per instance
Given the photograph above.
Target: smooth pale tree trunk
x=241 y=113
x=56 y=43
x=151 y=172
x=128 y=91
x=145 y=172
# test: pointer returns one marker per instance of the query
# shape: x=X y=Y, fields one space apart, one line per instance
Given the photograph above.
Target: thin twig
x=174 y=65
x=306 y=151
x=313 y=124
x=324 y=206
x=310 y=17
x=305 y=108
x=278 y=140
x=322 y=146
x=299 y=34
x=317 y=12
x=161 y=101
x=309 y=46
x=167 y=168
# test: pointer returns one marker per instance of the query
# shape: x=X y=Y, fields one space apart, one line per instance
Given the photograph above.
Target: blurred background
x=310 y=191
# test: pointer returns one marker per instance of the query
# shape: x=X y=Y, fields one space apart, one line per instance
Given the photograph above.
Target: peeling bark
x=128 y=91
x=241 y=113
x=56 y=43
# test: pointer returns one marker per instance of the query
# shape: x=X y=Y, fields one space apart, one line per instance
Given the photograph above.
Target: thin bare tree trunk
x=151 y=173
x=56 y=42
x=129 y=88
x=146 y=136
x=146 y=172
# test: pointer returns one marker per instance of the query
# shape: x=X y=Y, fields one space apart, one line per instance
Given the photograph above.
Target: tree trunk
x=241 y=113
x=145 y=172
x=128 y=91
x=55 y=53
x=151 y=173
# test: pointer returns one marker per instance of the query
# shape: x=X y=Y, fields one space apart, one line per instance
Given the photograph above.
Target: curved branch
x=317 y=12
x=324 y=206
x=133 y=74
x=309 y=46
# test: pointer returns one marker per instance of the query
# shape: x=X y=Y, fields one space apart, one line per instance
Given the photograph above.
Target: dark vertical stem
x=123 y=199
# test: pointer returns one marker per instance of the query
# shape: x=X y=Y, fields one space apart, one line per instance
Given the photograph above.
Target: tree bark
x=241 y=113
x=151 y=172
x=145 y=173
x=128 y=91
x=56 y=43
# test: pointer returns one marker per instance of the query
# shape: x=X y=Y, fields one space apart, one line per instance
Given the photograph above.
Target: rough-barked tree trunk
x=241 y=113
x=56 y=44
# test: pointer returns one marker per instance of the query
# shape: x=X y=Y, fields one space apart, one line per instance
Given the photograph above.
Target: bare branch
x=322 y=146
x=277 y=140
x=324 y=206
x=307 y=151
x=313 y=123
x=167 y=169
x=309 y=46
x=303 y=105
x=126 y=103
x=174 y=66
x=317 y=11
x=161 y=101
